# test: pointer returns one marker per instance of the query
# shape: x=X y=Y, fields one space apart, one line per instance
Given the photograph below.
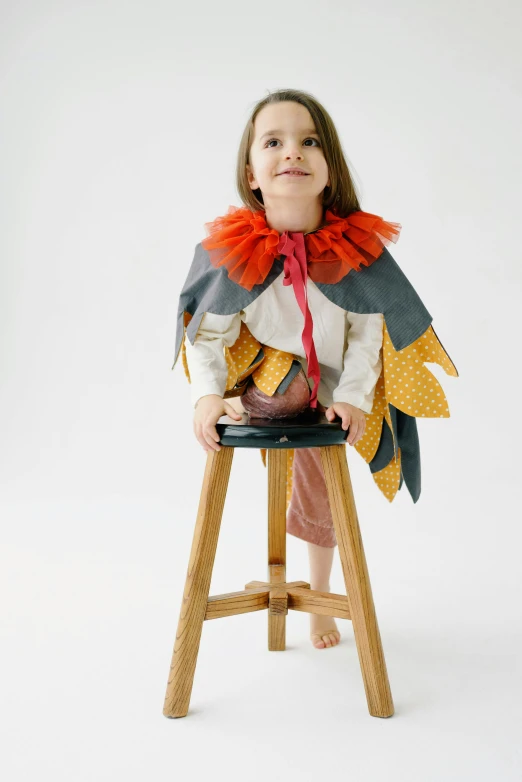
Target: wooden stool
x=311 y=429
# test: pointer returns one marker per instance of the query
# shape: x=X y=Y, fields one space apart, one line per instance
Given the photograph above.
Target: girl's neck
x=294 y=216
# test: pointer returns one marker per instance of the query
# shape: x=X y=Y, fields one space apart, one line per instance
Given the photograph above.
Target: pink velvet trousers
x=309 y=516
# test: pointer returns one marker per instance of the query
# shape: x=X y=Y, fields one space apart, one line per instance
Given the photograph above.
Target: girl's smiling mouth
x=293 y=172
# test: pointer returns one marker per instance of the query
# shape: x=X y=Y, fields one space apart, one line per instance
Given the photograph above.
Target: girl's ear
x=251 y=178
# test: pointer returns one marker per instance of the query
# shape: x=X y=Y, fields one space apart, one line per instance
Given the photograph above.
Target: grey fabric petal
x=408 y=439
x=406 y=436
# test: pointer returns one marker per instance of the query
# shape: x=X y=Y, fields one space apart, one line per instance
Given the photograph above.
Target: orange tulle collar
x=242 y=241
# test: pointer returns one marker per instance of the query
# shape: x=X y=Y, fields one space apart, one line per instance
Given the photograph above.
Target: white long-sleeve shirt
x=348 y=345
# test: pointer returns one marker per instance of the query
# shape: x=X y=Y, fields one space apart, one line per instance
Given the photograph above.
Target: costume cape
x=348 y=260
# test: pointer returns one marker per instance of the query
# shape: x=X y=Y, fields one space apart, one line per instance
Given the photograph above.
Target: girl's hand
x=208 y=410
x=352 y=417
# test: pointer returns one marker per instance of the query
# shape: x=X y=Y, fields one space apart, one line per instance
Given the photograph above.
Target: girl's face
x=285 y=137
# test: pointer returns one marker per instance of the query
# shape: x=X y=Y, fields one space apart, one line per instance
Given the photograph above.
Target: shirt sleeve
x=206 y=357
x=362 y=361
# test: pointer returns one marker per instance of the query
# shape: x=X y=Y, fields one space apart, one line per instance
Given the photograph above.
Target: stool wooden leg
x=357 y=581
x=278 y=607
x=197 y=584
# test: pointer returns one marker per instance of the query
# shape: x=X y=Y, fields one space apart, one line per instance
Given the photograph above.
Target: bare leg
x=323 y=629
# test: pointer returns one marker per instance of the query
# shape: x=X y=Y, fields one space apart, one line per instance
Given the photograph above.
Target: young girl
x=261 y=331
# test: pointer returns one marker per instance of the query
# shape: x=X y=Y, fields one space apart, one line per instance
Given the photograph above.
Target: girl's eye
x=306 y=139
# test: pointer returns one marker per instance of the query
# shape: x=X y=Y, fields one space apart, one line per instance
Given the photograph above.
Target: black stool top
x=310 y=429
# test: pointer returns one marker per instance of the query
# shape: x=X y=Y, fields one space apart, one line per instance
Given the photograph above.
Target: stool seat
x=310 y=429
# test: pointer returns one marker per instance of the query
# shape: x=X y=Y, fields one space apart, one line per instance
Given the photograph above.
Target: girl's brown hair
x=341 y=198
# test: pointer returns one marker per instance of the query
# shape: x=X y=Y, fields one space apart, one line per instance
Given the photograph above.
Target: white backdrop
x=120 y=127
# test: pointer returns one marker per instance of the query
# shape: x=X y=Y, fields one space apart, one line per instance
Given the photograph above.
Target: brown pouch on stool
x=293 y=401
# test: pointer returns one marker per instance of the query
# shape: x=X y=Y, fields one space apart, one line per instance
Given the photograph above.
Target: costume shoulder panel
x=210 y=289
x=383 y=287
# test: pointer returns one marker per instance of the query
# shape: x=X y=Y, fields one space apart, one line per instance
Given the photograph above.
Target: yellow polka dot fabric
x=404 y=382
x=240 y=357
x=389 y=478
x=369 y=442
x=409 y=385
x=267 y=373
x=274 y=368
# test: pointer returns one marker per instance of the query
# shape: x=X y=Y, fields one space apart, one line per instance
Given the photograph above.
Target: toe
x=317 y=641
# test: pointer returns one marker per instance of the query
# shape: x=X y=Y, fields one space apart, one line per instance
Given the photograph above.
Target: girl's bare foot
x=323 y=631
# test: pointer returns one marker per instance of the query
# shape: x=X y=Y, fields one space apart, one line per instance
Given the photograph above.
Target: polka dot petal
x=389 y=477
x=411 y=387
